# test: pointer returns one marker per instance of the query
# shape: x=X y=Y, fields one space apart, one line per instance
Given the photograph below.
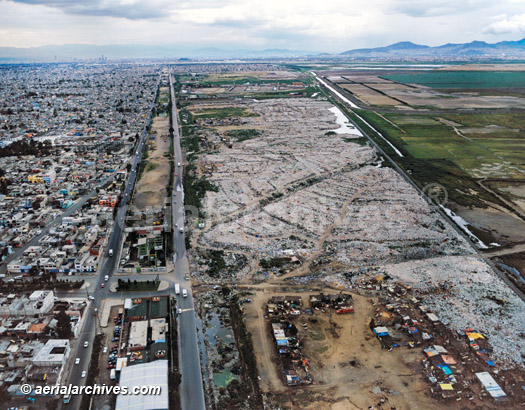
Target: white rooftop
x=147 y=374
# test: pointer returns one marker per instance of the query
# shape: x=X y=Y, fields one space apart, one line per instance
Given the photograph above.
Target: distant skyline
x=322 y=26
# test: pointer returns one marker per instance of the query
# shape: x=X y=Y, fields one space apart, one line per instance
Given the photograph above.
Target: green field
x=435 y=152
x=462 y=79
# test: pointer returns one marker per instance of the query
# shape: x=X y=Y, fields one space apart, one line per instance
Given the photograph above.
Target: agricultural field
x=366 y=94
x=247 y=84
x=462 y=79
x=477 y=155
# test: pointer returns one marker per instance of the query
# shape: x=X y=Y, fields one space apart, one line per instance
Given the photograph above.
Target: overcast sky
x=324 y=25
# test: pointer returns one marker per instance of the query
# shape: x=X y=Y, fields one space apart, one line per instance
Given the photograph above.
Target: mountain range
x=474 y=49
x=401 y=50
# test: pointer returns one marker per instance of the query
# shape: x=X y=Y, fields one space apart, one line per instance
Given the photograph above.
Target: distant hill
x=503 y=49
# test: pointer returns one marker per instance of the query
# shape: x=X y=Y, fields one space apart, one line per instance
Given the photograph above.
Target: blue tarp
x=445 y=369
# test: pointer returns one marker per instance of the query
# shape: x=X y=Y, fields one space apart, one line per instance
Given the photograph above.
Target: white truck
x=184 y=293
x=177 y=289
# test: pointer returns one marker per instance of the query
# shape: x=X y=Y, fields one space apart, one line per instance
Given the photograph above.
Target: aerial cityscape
x=262 y=206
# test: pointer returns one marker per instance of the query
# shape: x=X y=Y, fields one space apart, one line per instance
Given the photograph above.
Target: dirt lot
x=348 y=366
x=150 y=190
x=369 y=96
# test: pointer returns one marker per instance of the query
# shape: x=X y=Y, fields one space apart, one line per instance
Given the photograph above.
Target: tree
x=63 y=325
x=36 y=204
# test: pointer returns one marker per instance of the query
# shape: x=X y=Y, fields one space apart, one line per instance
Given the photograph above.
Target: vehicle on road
x=83 y=374
x=102 y=285
x=106 y=278
x=184 y=293
x=177 y=289
x=77 y=360
x=181 y=229
x=178 y=164
x=86 y=343
x=67 y=398
x=91 y=297
x=110 y=253
x=179 y=311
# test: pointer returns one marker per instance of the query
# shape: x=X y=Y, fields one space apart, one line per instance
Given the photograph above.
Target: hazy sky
x=324 y=25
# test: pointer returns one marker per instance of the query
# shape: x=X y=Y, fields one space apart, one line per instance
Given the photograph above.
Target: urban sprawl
x=240 y=235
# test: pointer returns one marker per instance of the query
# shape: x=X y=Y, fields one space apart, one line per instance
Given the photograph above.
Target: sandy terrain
x=337 y=384
x=150 y=190
x=210 y=90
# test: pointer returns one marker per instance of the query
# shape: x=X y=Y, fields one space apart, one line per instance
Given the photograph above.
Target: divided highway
x=191 y=388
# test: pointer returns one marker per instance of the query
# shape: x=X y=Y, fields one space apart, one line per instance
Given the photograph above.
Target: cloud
x=128 y=9
x=433 y=8
x=504 y=25
x=333 y=19
x=327 y=25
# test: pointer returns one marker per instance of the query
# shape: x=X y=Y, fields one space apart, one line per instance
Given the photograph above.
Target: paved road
x=107 y=266
x=191 y=389
x=438 y=209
